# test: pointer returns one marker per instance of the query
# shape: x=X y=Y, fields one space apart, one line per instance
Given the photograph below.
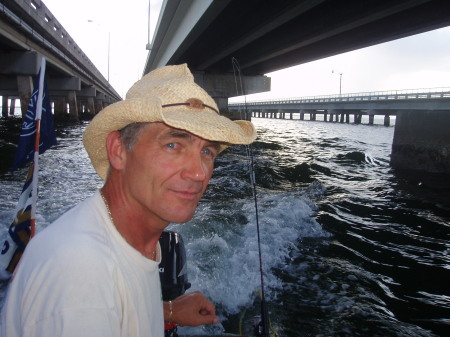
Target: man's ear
x=116 y=150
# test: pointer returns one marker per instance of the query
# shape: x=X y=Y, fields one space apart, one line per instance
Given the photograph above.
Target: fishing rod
x=262 y=328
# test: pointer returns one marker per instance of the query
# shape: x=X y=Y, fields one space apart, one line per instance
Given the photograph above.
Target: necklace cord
x=151 y=256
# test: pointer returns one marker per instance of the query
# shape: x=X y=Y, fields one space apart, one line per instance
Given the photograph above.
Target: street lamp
x=340 y=82
x=109 y=44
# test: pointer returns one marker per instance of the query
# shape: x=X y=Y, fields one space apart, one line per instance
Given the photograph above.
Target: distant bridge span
x=340 y=107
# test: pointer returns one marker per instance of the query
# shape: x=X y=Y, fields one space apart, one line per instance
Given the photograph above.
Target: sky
x=420 y=61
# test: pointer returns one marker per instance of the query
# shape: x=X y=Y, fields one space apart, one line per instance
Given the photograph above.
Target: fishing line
x=262 y=329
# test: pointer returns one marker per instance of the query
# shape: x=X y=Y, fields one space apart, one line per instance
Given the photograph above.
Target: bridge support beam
x=422 y=141
x=60 y=109
x=336 y=115
x=99 y=102
x=86 y=96
x=25 y=86
x=73 y=106
x=91 y=106
x=5 y=106
x=223 y=86
x=12 y=107
x=307 y=111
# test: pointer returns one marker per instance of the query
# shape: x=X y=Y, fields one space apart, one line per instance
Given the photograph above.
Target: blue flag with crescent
x=19 y=232
x=25 y=150
x=21 y=229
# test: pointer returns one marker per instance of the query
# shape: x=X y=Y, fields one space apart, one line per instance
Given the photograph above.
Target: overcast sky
x=420 y=61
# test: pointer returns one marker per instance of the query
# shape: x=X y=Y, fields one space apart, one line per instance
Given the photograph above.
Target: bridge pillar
x=99 y=102
x=5 y=106
x=311 y=112
x=25 y=87
x=421 y=141
x=98 y=105
x=91 y=106
x=387 y=120
x=336 y=115
x=371 y=119
x=342 y=114
x=325 y=115
x=73 y=106
x=291 y=115
x=60 y=107
x=12 y=107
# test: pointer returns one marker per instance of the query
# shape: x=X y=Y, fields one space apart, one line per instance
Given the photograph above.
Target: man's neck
x=137 y=228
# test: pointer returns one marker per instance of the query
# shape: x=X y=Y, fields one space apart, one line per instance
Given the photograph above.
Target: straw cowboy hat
x=169 y=95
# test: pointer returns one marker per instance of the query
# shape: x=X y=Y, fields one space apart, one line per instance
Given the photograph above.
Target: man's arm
x=191 y=309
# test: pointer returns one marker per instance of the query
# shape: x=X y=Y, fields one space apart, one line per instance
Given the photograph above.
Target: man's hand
x=191 y=309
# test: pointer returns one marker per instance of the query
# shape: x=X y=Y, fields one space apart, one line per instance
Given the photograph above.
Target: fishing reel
x=172 y=272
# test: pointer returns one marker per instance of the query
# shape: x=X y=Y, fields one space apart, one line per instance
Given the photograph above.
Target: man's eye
x=171 y=145
x=209 y=152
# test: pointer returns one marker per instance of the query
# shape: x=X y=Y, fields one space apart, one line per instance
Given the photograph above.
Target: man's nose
x=195 y=168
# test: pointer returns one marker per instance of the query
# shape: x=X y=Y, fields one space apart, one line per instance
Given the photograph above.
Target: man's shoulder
x=78 y=236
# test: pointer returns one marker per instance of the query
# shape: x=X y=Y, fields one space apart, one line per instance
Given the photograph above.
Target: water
x=350 y=246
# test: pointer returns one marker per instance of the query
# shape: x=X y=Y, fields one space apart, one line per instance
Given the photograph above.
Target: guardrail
x=39 y=22
x=405 y=94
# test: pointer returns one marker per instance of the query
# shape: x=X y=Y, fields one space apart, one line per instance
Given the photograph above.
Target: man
x=94 y=272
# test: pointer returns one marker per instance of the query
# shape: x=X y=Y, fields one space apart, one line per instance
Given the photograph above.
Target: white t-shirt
x=80 y=278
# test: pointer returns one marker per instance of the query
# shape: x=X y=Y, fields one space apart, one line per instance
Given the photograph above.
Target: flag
x=26 y=148
x=37 y=128
x=19 y=232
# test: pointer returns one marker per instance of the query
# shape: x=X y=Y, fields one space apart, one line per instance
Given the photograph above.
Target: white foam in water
x=223 y=260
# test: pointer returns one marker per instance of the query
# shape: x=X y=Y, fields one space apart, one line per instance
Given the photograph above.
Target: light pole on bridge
x=340 y=82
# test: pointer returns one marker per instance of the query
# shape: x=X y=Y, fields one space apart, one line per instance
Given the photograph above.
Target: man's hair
x=130 y=134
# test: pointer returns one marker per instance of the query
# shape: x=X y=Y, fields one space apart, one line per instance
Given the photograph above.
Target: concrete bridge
x=267 y=35
x=29 y=31
x=341 y=108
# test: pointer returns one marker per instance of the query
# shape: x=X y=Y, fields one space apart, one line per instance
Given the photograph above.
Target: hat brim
x=203 y=123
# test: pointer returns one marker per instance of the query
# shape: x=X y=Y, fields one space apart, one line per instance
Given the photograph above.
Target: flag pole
x=36 y=149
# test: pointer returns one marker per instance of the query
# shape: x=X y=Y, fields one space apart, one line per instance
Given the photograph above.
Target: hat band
x=192 y=103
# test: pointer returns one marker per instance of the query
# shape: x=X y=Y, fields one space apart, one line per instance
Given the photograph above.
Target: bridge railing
x=41 y=24
x=404 y=94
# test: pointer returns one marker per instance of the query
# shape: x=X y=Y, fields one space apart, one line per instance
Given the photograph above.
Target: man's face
x=167 y=172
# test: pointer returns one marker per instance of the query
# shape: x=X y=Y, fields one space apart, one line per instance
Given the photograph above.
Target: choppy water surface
x=350 y=247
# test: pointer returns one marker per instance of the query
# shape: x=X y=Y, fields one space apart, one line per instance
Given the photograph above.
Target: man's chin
x=180 y=218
